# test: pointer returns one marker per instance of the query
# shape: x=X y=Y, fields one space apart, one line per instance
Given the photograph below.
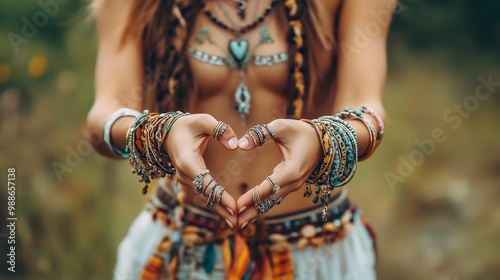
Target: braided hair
x=165 y=26
x=297 y=53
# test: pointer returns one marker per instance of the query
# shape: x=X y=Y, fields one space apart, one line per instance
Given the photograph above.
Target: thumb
x=228 y=138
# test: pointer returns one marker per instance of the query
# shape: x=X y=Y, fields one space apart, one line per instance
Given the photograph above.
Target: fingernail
x=244 y=225
x=253 y=221
x=244 y=143
x=230 y=211
x=242 y=209
x=232 y=143
x=229 y=223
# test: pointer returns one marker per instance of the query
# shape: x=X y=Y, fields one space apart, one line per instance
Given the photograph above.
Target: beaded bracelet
x=380 y=122
x=347 y=139
x=327 y=148
x=144 y=142
x=351 y=114
x=339 y=145
x=338 y=165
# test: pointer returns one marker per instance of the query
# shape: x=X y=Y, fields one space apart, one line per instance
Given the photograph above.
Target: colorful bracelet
x=380 y=122
x=145 y=139
x=351 y=114
x=340 y=155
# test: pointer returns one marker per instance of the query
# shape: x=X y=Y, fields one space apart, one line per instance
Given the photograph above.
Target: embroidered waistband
x=293 y=226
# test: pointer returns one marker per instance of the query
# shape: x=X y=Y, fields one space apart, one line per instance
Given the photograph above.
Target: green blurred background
x=440 y=219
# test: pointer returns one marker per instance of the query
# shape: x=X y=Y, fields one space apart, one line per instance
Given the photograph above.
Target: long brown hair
x=165 y=26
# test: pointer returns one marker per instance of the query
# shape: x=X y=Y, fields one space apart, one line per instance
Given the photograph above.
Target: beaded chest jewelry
x=239 y=49
x=239 y=59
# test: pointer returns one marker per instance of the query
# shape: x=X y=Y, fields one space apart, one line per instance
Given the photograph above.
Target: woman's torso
x=215 y=87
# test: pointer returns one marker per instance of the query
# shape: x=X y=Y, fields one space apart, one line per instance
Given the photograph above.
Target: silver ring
x=275 y=187
x=198 y=181
x=219 y=130
x=266 y=205
x=206 y=186
x=210 y=203
x=253 y=137
x=260 y=134
x=220 y=195
x=271 y=132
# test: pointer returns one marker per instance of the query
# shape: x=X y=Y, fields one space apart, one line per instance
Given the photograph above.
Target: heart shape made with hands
x=296 y=140
x=292 y=143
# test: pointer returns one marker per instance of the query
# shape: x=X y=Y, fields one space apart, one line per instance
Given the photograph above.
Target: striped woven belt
x=289 y=225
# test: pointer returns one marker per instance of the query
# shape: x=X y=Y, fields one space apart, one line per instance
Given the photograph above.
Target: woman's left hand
x=301 y=150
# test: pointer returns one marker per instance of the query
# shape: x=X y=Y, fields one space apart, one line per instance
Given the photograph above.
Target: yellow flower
x=4 y=72
x=37 y=66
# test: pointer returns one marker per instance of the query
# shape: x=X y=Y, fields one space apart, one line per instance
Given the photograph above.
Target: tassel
x=282 y=265
x=262 y=269
x=152 y=269
x=209 y=258
x=241 y=260
x=172 y=268
x=226 y=255
x=250 y=271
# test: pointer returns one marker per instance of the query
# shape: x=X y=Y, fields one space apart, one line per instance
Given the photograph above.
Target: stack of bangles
x=144 y=143
x=340 y=151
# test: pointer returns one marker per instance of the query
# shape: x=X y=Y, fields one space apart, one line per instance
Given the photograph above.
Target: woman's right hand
x=186 y=143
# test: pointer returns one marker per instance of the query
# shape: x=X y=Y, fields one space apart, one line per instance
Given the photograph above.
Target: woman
x=232 y=207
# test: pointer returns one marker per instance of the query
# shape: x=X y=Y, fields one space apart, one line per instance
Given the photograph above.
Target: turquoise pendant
x=242 y=98
x=238 y=49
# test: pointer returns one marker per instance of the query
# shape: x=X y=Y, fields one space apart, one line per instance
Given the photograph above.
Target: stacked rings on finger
x=260 y=131
x=144 y=143
x=220 y=195
x=339 y=144
x=219 y=130
x=206 y=186
x=276 y=187
x=213 y=194
x=253 y=137
x=198 y=181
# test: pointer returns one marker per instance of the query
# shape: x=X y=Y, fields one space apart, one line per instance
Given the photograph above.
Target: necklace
x=238 y=49
x=229 y=18
x=217 y=60
x=242 y=94
x=238 y=32
x=241 y=5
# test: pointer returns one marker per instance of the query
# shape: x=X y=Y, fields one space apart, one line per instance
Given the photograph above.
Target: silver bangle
x=123 y=112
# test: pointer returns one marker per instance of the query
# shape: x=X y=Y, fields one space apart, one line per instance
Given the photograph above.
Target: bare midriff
x=215 y=87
